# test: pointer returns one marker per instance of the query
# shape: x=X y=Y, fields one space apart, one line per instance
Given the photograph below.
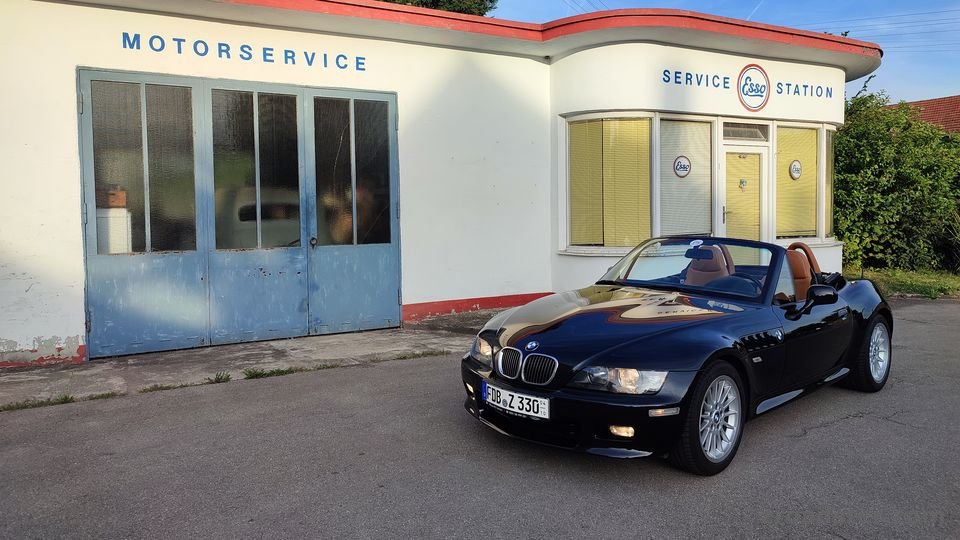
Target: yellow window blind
x=586 y=188
x=686 y=202
x=626 y=181
x=796 y=198
x=828 y=210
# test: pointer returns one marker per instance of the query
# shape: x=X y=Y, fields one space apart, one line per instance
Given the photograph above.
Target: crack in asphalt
x=853 y=416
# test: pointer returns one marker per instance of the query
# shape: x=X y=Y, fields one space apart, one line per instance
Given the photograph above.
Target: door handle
x=843 y=313
x=313 y=241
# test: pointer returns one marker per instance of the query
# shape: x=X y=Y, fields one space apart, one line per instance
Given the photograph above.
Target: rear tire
x=713 y=424
x=871 y=366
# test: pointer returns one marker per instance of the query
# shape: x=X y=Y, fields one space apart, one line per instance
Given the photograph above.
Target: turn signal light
x=622 y=431
x=469 y=388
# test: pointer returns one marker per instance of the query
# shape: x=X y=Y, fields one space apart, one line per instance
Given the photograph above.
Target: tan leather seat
x=800 y=268
x=703 y=271
x=811 y=258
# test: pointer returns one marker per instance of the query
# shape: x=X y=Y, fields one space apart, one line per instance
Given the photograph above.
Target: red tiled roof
x=943 y=111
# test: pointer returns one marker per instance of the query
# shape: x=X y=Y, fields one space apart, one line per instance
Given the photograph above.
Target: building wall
x=474 y=155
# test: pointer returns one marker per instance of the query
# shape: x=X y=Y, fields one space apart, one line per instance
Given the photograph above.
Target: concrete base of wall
x=36 y=357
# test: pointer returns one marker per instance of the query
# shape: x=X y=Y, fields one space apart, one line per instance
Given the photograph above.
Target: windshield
x=696 y=263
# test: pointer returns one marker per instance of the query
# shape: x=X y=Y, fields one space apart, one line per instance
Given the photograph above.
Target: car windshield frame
x=625 y=265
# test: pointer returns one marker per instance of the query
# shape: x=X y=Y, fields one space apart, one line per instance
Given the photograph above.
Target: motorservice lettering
x=751 y=87
x=243 y=52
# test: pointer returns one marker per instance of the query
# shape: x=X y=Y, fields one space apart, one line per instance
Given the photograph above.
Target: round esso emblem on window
x=681 y=166
x=795 y=169
x=753 y=87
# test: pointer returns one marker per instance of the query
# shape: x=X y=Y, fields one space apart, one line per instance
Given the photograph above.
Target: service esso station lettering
x=752 y=86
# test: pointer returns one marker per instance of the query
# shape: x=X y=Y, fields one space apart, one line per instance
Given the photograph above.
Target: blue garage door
x=354 y=241
x=221 y=212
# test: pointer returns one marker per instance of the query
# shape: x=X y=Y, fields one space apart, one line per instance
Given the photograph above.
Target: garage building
x=189 y=173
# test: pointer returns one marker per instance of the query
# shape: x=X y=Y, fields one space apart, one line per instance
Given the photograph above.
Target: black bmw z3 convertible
x=675 y=348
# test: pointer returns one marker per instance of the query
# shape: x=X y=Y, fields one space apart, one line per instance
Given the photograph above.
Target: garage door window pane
x=279 y=171
x=170 y=158
x=373 y=172
x=797 y=168
x=686 y=177
x=118 y=167
x=332 y=142
x=234 y=162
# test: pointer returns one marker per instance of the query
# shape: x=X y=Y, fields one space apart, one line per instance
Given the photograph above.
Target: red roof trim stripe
x=621 y=18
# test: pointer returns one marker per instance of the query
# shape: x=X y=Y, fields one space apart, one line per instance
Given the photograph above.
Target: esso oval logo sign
x=681 y=166
x=753 y=87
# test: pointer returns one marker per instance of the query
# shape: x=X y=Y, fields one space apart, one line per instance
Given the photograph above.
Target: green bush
x=897 y=187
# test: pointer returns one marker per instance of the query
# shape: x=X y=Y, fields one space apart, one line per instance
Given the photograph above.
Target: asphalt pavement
x=385 y=450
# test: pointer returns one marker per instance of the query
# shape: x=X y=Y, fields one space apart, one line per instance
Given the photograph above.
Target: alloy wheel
x=879 y=352
x=720 y=419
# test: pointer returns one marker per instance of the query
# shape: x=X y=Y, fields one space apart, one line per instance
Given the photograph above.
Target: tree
x=470 y=7
x=897 y=187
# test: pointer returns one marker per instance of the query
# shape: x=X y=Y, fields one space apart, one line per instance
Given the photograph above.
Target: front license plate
x=516 y=402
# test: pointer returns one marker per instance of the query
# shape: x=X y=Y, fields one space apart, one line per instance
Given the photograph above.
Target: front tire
x=714 y=420
x=871 y=367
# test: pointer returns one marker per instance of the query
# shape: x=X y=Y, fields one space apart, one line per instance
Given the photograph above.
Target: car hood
x=577 y=325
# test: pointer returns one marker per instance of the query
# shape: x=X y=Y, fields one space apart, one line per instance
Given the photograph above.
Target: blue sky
x=920 y=39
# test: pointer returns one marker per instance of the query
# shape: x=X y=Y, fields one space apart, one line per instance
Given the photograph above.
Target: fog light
x=469 y=388
x=622 y=431
x=664 y=412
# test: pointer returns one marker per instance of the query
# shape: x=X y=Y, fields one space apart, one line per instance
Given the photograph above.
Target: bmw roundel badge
x=532 y=346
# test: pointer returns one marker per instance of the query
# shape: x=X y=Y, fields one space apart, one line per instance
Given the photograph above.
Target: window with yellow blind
x=828 y=186
x=796 y=178
x=609 y=168
x=686 y=177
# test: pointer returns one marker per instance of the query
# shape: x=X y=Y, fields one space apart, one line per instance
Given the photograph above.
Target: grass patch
x=218 y=377
x=929 y=283
x=34 y=403
x=257 y=373
x=103 y=395
x=161 y=387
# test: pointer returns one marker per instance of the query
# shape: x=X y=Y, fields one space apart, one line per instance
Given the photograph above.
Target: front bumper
x=580 y=419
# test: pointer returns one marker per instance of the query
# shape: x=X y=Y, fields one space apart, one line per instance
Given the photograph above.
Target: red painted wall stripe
x=55 y=359
x=413 y=312
x=620 y=18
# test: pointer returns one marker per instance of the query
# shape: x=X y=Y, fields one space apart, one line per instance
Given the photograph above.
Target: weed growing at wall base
x=34 y=403
x=257 y=373
x=219 y=377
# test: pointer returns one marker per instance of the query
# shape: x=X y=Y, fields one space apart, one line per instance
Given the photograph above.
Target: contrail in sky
x=760 y=3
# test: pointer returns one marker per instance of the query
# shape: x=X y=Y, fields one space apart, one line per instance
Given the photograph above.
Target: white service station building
x=195 y=172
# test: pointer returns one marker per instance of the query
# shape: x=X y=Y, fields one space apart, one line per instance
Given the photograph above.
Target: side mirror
x=817 y=295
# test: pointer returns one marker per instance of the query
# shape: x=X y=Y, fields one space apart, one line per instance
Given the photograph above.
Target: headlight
x=483 y=351
x=620 y=380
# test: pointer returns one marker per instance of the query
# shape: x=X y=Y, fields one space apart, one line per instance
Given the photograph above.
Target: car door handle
x=843 y=313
